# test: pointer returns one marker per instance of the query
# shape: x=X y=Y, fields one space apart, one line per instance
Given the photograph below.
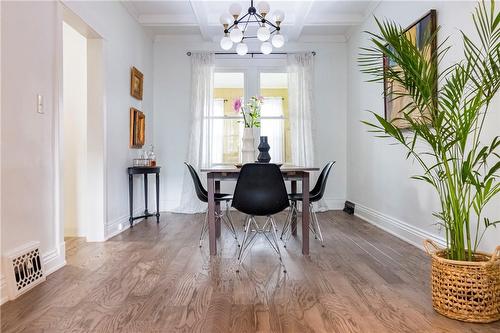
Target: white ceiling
x=302 y=18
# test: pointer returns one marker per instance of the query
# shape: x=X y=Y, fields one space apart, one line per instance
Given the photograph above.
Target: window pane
x=226 y=134
x=274 y=89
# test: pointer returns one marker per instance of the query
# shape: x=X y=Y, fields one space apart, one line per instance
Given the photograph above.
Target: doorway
x=81 y=132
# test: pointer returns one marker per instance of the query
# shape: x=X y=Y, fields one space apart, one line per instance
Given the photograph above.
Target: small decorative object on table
x=264 y=147
x=147 y=158
x=251 y=120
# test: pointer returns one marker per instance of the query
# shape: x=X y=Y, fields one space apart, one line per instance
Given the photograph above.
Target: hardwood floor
x=154 y=278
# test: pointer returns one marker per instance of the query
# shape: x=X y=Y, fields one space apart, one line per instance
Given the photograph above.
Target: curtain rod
x=249 y=53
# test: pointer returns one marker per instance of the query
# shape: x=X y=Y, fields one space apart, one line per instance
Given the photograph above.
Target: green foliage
x=251 y=112
x=463 y=171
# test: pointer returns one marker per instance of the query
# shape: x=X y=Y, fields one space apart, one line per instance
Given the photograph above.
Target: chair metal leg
x=287 y=224
x=269 y=227
x=244 y=242
x=204 y=228
x=314 y=219
x=275 y=238
x=229 y=223
x=294 y=212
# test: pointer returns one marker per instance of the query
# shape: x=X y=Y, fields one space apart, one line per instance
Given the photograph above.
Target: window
x=224 y=124
x=274 y=115
x=225 y=127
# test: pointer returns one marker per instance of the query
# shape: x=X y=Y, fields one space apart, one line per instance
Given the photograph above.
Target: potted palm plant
x=444 y=112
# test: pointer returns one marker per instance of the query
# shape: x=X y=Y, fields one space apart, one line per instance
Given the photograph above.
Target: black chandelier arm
x=266 y=21
x=236 y=22
x=246 y=24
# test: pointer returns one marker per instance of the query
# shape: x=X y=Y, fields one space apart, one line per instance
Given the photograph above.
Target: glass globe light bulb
x=266 y=48
x=263 y=8
x=226 y=19
x=226 y=43
x=278 y=41
x=263 y=34
x=279 y=16
x=241 y=49
x=235 y=9
x=236 y=35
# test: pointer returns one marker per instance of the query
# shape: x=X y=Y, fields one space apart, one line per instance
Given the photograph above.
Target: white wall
x=378 y=174
x=28 y=42
x=31 y=37
x=74 y=116
x=172 y=86
x=125 y=44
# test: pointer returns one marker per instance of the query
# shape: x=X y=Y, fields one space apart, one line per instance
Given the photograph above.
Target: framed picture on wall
x=137 y=128
x=136 y=83
x=394 y=99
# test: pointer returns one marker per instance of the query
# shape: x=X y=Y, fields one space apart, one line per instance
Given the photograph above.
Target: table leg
x=305 y=213
x=158 y=197
x=131 y=199
x=294 y=216
x=211 y=214
x=217 y=210
x=146 y=195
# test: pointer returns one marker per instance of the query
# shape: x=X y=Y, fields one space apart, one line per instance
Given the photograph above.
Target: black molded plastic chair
x=260 y=191
x=315 y=195
x=202 y=194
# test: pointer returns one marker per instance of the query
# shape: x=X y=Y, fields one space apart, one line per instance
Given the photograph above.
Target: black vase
x=264 y=156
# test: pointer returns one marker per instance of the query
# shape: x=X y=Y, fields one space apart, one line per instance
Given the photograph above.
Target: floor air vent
x=25 y=269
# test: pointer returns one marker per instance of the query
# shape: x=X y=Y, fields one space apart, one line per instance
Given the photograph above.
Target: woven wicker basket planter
x=464 y=290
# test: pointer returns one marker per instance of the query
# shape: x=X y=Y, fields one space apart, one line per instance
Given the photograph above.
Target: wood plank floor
x=155 y=278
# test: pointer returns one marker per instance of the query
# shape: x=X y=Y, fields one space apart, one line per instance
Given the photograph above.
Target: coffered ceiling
x=302 y=18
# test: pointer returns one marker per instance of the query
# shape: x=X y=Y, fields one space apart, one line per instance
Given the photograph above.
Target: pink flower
x=237 y=104
x=261 y=98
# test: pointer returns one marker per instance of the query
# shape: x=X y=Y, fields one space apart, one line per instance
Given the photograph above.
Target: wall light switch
x=39 y=107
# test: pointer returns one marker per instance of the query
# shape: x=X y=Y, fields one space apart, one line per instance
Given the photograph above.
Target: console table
x=143 y=171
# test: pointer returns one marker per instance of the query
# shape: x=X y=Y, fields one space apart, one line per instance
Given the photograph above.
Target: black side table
x=143 y=171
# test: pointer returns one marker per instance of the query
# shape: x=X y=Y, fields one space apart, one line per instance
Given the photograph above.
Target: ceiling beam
x=166 y=20
x=131 y=9
x=200 y=12
x=304 y=7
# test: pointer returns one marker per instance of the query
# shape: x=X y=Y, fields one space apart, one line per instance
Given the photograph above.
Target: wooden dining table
x=218 y=173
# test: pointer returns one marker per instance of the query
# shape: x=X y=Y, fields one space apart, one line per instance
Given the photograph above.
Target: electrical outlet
x=39 y=106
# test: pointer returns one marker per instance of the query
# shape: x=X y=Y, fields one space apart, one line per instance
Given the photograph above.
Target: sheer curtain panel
x=300 y=94
x=199 y=153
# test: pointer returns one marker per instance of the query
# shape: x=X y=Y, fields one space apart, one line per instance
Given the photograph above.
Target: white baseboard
x=52 y=261
x=326 y=204
x=407 y=232
x=4 y=295
x=55 y=259
x=331 y=204
x=121 y=224
x=169 y=205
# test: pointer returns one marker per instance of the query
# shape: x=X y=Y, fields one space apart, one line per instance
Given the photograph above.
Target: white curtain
x=273 y=128
x=300 y=98
x=199 y=153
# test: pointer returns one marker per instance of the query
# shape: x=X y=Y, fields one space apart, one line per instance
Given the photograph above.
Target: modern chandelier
x=233 y=33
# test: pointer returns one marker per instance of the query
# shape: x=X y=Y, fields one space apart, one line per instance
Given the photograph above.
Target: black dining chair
x=202 y=194
x=315 y=195
x=260 y=191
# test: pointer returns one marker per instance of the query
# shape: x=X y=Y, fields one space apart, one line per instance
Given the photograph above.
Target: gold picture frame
x=418 y=32
x=136 y=83
x=137 y=128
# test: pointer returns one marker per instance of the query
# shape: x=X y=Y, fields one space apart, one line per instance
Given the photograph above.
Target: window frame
x=252 y=83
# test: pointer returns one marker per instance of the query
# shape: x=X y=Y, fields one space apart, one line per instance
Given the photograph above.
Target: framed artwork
x=137 y=128
x=418 y=32
x=136 y=83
